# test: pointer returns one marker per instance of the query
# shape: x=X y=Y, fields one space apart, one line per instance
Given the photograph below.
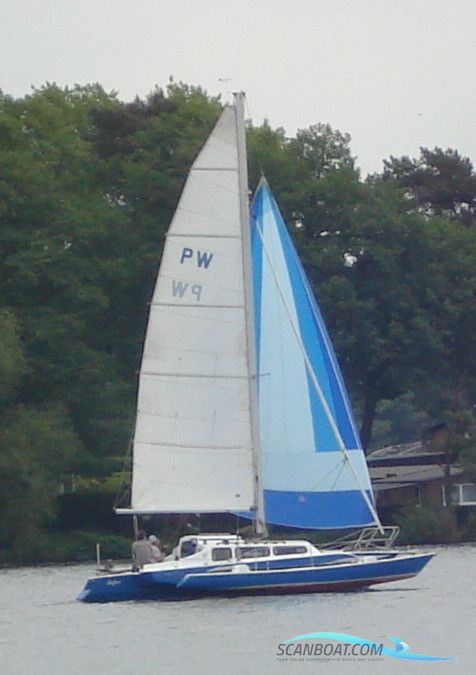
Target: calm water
x=44 y=630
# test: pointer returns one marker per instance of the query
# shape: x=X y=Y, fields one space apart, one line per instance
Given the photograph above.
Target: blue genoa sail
x=313 y=466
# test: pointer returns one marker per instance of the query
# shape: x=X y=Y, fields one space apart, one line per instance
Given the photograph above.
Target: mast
x=259 y=518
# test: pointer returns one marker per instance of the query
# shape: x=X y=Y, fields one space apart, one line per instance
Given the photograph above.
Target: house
x=416 y=473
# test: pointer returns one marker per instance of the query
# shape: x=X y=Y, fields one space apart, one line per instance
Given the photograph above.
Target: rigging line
x=317 y=386
x=339 y=467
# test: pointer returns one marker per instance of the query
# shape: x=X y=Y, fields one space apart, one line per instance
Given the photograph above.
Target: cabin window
x=188 y=548
x=252 y=552
x=221 y=554
x=289 y=550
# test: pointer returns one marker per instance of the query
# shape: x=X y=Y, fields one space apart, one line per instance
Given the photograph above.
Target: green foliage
x=469 y=529
x=111 y=484
x=441 y=182
x=323 y=150
x=74 y=546
x=399 y=421
x=12 y=359
x=427 y=525
x=37 y=447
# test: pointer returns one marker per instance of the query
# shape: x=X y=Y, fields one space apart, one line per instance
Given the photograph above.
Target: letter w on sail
x=179 y=288
x=204 y=259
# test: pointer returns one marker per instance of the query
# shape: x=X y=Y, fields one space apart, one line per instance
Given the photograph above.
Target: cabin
x=229 y=549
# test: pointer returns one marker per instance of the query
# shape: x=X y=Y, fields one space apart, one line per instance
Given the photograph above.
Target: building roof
x=407 y=454
x=392 y=477
x=401 y=450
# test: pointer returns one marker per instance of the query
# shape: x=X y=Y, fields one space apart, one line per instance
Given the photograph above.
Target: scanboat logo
x=346 y=647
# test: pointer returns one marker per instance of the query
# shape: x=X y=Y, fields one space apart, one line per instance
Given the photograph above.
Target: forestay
x=192 y=447
x=314 y=469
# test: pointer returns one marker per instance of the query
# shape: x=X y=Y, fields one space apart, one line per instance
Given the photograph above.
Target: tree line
x=88 y=185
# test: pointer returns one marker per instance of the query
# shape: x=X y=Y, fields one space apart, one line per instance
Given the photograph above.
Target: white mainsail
x=193 y=439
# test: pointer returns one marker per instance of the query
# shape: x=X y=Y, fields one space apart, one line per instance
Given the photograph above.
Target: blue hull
x=123 y=587
x=182 y=584
x=314 y=580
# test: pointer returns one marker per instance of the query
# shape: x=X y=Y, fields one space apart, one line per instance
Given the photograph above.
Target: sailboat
x=242 y=407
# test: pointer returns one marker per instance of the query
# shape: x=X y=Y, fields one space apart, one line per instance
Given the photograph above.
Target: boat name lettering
x=181 y=287
x=203 y=257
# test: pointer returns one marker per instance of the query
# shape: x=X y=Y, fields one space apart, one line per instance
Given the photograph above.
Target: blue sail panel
x=317 y=510
x=307 y=479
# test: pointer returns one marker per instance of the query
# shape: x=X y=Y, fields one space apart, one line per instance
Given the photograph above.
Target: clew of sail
x=192 y=446
x=314 y=469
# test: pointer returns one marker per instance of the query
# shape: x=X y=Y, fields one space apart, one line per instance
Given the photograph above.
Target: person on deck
x=141 y=551
x=157 y=554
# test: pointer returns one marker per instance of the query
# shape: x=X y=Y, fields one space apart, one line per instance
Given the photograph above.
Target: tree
x=323 y=149
x=37 y=448
x=12 y=359
x=440 y=182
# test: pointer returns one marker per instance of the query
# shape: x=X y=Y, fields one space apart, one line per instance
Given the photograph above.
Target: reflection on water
x=45 y=630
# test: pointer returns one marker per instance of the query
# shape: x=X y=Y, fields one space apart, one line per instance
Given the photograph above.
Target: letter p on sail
x=186 y=253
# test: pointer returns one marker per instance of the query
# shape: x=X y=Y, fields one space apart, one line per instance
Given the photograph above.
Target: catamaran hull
x=156 y=585
x=124 y=587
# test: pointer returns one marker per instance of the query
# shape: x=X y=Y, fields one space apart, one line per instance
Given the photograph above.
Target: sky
x=394 y=74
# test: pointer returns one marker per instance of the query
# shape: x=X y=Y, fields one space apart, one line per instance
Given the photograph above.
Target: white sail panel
x=210 y=203
x=194 y=410
x=178 y=482
x=192 y=445
x=170 y=349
